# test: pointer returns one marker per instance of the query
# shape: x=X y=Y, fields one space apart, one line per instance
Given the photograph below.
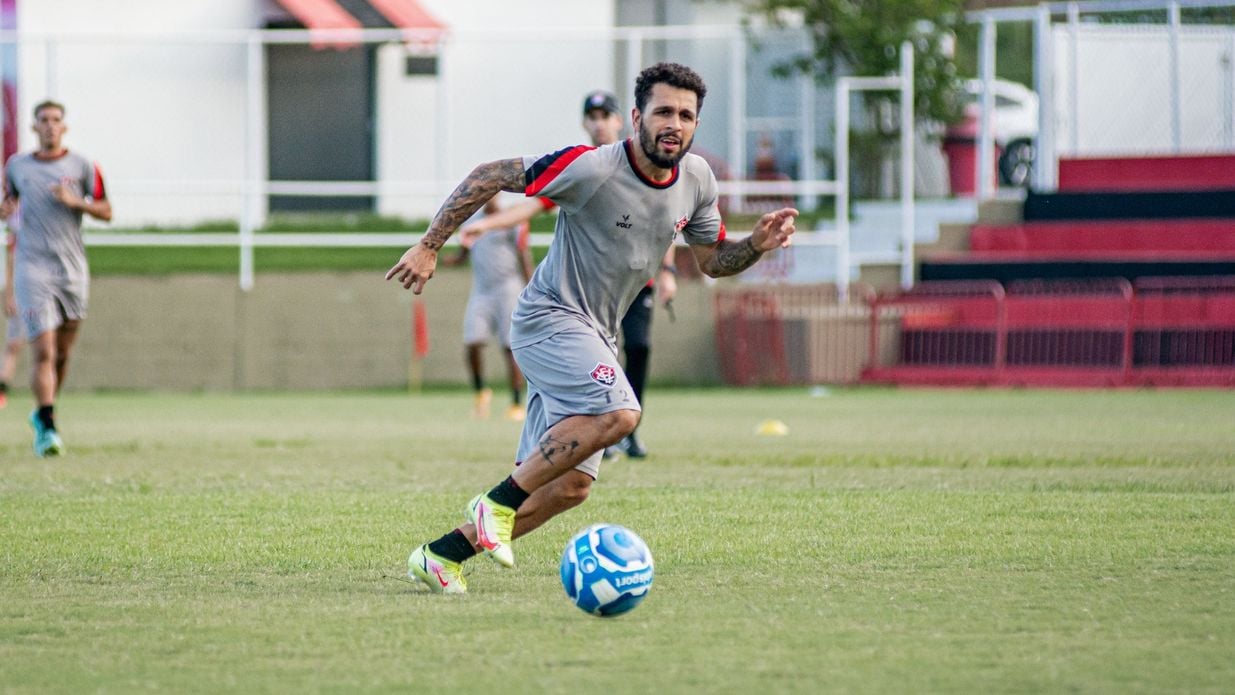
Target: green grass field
x=893 y=541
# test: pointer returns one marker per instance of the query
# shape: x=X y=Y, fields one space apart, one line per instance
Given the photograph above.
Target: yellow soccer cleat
x=480 y=404
x=442 y=576
x=516 y=413
x=495 y=523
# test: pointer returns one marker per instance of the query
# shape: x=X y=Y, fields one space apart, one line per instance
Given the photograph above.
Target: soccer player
x=603 y=122
x=51 y=280
x=501 y=266
x=15 y=337
x=621 y=206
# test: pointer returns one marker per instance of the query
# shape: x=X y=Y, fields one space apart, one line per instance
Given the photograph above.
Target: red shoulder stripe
x=548 y=167
x=98 y=192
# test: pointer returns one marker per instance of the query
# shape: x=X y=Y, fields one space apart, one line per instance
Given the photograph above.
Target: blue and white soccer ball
x=606 y=570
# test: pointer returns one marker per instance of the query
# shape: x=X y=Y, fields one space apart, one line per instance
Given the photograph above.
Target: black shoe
x=611 y=453
x=634 y=448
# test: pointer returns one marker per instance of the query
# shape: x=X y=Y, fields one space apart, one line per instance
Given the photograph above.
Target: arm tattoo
x=552 y=448
x=469 y=196
x=733 y=257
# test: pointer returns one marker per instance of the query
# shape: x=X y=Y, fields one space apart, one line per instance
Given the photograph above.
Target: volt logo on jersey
x=604 y=375
x=625 y=222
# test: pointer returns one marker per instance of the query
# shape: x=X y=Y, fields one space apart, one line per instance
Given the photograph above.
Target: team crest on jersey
x=681 y=224
x=603 y=374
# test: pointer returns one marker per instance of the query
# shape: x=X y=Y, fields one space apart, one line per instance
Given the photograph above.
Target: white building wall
x=152 y=107
x=156 y=93
x=511 y=80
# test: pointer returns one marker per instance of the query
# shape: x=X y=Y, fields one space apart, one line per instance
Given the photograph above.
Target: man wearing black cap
x=602 y=119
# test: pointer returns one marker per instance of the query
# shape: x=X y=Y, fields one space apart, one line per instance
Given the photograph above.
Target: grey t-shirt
x=50 y=235
x=614 y=227
x=495 y=261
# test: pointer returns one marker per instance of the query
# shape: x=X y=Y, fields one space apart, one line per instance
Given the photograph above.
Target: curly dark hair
x=672 y=74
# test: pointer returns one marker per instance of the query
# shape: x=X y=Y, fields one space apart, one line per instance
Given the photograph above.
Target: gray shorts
x=488 y=316
x=571 y=373
x=15 y=330
x=47 y=297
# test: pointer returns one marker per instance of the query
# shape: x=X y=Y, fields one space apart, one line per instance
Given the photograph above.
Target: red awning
x=409 y=14
x=401 y=14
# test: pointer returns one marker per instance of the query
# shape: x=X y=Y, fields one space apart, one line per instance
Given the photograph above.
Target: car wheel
x=1016 y=163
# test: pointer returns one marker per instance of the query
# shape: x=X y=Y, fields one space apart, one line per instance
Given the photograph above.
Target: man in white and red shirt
x=51 y=279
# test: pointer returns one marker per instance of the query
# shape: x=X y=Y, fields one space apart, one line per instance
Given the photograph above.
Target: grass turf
x=893 y=541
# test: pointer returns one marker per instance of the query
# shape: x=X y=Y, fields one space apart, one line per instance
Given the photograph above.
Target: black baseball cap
x=600 y=99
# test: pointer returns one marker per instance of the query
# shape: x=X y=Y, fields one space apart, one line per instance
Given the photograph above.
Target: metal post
x=1228 y=93
x=1177 y=139
x=807 y=170
x=1045 y=159
x=842 y=189
x=908 y=125
x=1074 y=90
x=986 y=142
x=737 y=114
x=255 y=135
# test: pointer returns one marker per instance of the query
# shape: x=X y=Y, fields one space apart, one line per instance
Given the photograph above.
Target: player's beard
x=647 y=142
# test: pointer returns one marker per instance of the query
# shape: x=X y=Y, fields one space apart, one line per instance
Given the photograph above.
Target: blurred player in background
x=51 y=280
x=621 y=207
x=14 y=337
x=501 y=266
x=602 y=119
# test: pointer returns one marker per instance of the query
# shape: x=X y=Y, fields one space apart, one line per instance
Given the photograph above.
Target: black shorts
x=637 y=323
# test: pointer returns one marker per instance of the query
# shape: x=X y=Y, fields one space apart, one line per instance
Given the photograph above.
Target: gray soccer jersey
x=495 y=261
x=497 y=278
x=50 y=265
x=614 y=228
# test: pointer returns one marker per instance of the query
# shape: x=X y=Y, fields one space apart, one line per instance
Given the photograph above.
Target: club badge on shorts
x=603 y=374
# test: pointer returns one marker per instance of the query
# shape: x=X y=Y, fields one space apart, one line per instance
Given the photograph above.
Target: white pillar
x=1046 y=159
x=842 y=189
x=254 y=146
x=737 y=113
x=1177 y=138
x=986 y=140
x=908 y=131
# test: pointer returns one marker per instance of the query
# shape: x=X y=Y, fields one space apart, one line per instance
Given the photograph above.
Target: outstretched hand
x=774 y=230
x=414 y=269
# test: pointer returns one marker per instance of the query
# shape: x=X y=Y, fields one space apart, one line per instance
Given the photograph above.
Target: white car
x=1016 y=128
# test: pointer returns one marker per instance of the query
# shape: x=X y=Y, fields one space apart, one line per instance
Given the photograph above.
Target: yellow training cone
x=772 y=428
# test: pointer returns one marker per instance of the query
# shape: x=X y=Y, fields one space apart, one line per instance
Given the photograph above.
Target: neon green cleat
x=442 y=576
x=494 y=525
x=46 y=442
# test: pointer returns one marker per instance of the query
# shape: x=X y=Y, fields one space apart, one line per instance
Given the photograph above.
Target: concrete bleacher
x=1108 y=220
